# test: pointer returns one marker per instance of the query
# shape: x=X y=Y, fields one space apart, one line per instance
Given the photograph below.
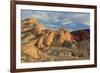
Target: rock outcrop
x=39 y=43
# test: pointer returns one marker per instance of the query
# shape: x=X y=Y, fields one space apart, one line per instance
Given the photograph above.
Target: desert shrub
x=54 y=51
x=78 y=44
x=67 y=44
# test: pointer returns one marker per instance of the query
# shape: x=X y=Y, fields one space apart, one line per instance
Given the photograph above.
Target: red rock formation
x=81 y=35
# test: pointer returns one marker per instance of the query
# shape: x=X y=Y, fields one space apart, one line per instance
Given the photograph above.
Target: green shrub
x=67 y=44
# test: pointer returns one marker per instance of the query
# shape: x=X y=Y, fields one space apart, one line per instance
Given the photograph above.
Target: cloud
x=80 y=17
x=46 y=16
x=55 y=19
x=40 y=15
x=50 y=25
x=66 y=21
x=86 y=22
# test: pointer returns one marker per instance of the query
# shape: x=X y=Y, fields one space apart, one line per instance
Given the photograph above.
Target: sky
x=57 y=19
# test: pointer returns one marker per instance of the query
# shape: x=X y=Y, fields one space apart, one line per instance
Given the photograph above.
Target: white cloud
x=46 y=16
x=56 y=19
x=67 y=21
x=50 y=25
x=40 y=15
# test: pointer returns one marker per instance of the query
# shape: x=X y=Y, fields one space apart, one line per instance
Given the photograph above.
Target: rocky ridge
x=41 y=44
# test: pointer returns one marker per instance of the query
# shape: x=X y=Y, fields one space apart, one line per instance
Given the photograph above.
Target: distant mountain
x=81 y=34
x=75 y=32
x=76 y=26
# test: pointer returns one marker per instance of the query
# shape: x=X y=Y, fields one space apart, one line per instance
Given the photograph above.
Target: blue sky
x=57 y=19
